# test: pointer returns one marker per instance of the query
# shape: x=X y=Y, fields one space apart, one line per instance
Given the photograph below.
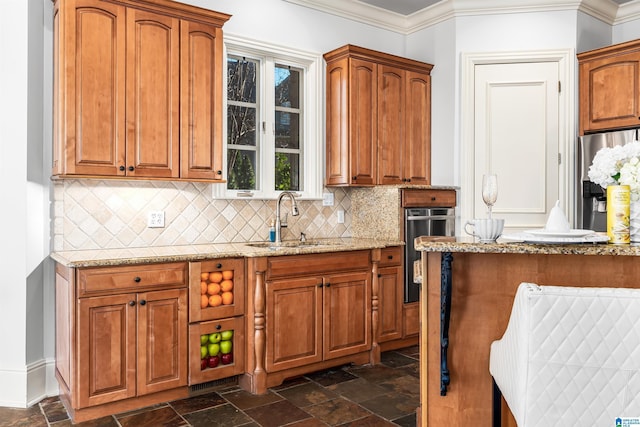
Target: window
x=273 y=112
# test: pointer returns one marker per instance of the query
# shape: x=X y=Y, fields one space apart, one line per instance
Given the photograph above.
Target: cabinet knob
x=328 y=284
x=218 y=327
x=132 y=303
x=137 y=279
x=130 y=168
x=379 y=275
x=143 y=302
x=218 y=265
x=121 y=168
x=433 y=199
x=390 y=257
x=218 y=172
x=320 y=285
x=354 y=178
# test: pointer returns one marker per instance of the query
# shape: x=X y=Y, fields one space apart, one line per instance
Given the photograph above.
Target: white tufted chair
x=570 y=356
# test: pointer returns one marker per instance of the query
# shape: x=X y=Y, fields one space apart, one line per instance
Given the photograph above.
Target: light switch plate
x=340 y=216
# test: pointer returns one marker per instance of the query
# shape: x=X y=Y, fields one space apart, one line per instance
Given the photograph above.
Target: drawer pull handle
x=137 y=279
x=390 y=257
x=433 y=199
x=218 y=265
x=132 y=303
x=143 y=302
x=218 y=327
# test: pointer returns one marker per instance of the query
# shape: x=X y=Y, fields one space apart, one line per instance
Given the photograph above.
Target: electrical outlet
x=155 y=219
x=340 y=216
x=327 y=199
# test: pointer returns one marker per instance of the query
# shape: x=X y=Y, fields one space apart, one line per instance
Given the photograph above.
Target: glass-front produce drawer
x=216 y=289
x=216 y=349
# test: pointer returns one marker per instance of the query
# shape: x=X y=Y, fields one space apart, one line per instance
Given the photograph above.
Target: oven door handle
x=438 y=217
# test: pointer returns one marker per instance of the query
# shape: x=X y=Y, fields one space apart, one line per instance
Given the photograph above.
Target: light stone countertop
x=467 y=244
x=132 y=256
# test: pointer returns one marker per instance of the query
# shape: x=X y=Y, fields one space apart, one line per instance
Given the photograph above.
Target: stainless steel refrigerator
x=591 y=203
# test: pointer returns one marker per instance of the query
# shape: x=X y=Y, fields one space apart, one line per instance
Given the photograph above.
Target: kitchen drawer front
x=106 y=280
x=428 y=198
x=199 y=372
x=295 y=265
x=216 y=289
x=390 y=256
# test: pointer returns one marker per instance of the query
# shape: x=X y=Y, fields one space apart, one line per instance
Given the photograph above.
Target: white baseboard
x=22 y=388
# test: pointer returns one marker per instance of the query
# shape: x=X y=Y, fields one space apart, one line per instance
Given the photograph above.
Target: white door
x=516 y=136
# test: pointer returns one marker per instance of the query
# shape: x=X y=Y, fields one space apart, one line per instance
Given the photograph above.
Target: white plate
x=530 y=238
x=571 y=233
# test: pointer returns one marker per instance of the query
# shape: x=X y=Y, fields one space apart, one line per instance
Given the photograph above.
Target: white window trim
x=312 y=150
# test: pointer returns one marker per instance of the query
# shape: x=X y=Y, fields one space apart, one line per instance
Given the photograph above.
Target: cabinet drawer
x=104 y=280
x=415 y=198
x=390 y=256
x=200 y=368
x=216 y=289
x=295 y=265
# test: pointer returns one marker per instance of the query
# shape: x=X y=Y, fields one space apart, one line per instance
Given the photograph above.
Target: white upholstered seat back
x=570 y=356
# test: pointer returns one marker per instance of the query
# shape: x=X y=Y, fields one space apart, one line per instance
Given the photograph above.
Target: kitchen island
x=466 y=298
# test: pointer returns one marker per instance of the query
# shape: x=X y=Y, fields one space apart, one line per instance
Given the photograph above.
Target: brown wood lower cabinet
x=118 y=349
x=307 y=312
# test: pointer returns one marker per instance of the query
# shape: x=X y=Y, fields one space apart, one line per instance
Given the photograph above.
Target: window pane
x=241 y=125
x=287 y=172
x=287 y=87
x=241 y=165
x=287 y=130
x=241 y=80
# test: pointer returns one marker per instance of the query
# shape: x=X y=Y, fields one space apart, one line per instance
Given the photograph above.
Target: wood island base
x=482 y=293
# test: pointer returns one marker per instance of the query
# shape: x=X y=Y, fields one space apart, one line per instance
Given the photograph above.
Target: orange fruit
x=227 y=298
x=226 y=285
x=204 y=276
x=204 y=301
x=213 y=289
x=215 y=300
x=215 y=277
x=227 y=274
x=203 y=288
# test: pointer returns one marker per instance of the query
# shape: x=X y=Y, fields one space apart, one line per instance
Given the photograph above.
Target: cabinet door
x=106 y=349
x=153 y=59
x=363 y=126
x=347 y=314
x=89 y=88
x=293 y=322
x=201 y=101
x=610 y=92
x=391 y=132
x=417 y=138
x=390 y=303
x=162 y=340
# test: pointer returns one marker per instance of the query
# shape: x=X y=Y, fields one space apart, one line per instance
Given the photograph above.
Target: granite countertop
x=467 y=244
x=131 y=256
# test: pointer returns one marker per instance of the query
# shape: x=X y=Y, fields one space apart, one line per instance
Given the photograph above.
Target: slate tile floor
x=356 y=396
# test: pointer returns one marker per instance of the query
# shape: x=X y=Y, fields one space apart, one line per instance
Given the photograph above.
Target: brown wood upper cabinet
x=137 y=90
x=378 y=119
x=610 y=87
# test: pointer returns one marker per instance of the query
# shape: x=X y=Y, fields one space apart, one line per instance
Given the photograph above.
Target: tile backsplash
x=103 y=214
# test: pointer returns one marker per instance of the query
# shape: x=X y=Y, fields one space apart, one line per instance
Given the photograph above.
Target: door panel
x=516 y=137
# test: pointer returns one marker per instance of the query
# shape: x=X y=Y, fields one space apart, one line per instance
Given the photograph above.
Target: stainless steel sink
x=291 y=244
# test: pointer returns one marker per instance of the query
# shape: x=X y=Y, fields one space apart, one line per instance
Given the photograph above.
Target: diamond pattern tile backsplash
x=94 y=214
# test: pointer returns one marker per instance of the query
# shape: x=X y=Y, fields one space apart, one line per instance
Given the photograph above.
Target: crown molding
x=355 y=10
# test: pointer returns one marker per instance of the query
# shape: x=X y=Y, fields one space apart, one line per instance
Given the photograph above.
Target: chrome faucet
x=294 y=212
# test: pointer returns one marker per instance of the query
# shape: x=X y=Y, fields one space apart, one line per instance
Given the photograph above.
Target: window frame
x=312 y=152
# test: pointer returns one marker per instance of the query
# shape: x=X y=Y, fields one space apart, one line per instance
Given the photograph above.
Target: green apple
x=225 y=347
x=204 y=352
x=227 y=335
x=215 y=337
x=204 y=339
x=214 y=349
